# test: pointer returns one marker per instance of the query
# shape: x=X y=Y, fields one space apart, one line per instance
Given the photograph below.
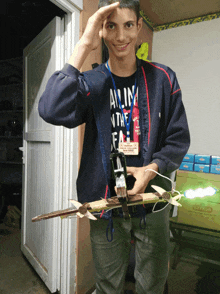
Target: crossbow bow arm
x=83 y=209
x=168 y=195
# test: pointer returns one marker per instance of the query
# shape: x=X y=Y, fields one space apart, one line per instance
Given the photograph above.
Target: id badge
x=131 y=148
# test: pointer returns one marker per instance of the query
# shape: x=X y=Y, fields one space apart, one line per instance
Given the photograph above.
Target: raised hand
x=92 y=35
x=93 y=32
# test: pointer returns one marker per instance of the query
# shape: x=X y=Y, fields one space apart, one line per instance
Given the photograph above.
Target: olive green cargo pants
x=151 y=253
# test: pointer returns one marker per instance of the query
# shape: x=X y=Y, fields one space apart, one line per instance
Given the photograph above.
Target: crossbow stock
x=119 y=174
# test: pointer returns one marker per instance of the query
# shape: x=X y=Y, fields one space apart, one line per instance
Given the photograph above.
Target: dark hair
x=130 y=4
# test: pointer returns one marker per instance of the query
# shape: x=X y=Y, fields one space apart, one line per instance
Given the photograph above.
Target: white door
x=42 y=158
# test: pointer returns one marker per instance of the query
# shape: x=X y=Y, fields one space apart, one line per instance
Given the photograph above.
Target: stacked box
x=215 y=160
x=187 y=166
x=189 y=157
x=202 y=159
x=215 y=169
x=201 y=163
x=202 y=168
x=215 y=165
x=188 y=162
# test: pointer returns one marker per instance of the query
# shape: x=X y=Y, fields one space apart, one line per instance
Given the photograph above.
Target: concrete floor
x=18 y=277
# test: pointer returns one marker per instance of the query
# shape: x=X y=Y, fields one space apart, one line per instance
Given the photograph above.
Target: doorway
x=21 y=21
x=67 y=268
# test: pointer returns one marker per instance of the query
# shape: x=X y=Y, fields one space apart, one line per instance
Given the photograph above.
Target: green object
x=142 y=52
x=199 y=209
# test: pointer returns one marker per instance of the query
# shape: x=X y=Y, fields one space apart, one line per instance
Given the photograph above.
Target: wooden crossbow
x=119 y=173
x=84 y=210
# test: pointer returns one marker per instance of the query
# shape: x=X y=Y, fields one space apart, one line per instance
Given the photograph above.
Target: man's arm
x=64 y=101
x=92 y=35
x=175 y=137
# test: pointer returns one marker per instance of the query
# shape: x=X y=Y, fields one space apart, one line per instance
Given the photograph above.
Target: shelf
x=12 y=84
x=10 y=162
x=11 y=111
x=11 y=137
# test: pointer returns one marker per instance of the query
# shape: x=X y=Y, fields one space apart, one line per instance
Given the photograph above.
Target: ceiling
x=22 y=20
x=162 y=12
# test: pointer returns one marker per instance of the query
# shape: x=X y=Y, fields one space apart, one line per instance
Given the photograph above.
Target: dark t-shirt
x=125 y=88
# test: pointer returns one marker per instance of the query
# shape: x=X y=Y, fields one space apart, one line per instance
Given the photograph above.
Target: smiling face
x=120 y=32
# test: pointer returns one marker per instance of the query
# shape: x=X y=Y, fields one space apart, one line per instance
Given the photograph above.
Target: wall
x=85 y=267
x=193 y=52
x=146 y=35
x=89 y=8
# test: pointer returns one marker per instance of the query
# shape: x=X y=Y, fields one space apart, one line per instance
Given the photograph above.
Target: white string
x=154 y=211
x=160 y=175
x=98 y=213
x=173 y=190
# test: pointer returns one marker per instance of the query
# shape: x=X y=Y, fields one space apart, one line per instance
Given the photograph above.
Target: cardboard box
x=202 y=212
x=202 y=168
x=189 y=157
x=187 y=166
x=215 y=169
x=216 y=160
x=202 y=159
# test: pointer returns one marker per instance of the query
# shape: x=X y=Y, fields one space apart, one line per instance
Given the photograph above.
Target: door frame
x=66 y=247
x=67 y=260
x=55 y=135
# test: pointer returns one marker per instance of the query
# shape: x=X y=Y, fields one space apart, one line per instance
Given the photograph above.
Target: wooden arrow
x=97 y=206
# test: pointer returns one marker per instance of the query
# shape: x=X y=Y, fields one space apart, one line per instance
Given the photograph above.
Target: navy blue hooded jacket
x=72 y=98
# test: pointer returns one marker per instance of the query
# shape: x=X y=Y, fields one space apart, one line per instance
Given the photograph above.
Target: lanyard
x=119 y=101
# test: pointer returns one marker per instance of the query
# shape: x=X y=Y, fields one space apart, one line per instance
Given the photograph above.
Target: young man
x=125 y=99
